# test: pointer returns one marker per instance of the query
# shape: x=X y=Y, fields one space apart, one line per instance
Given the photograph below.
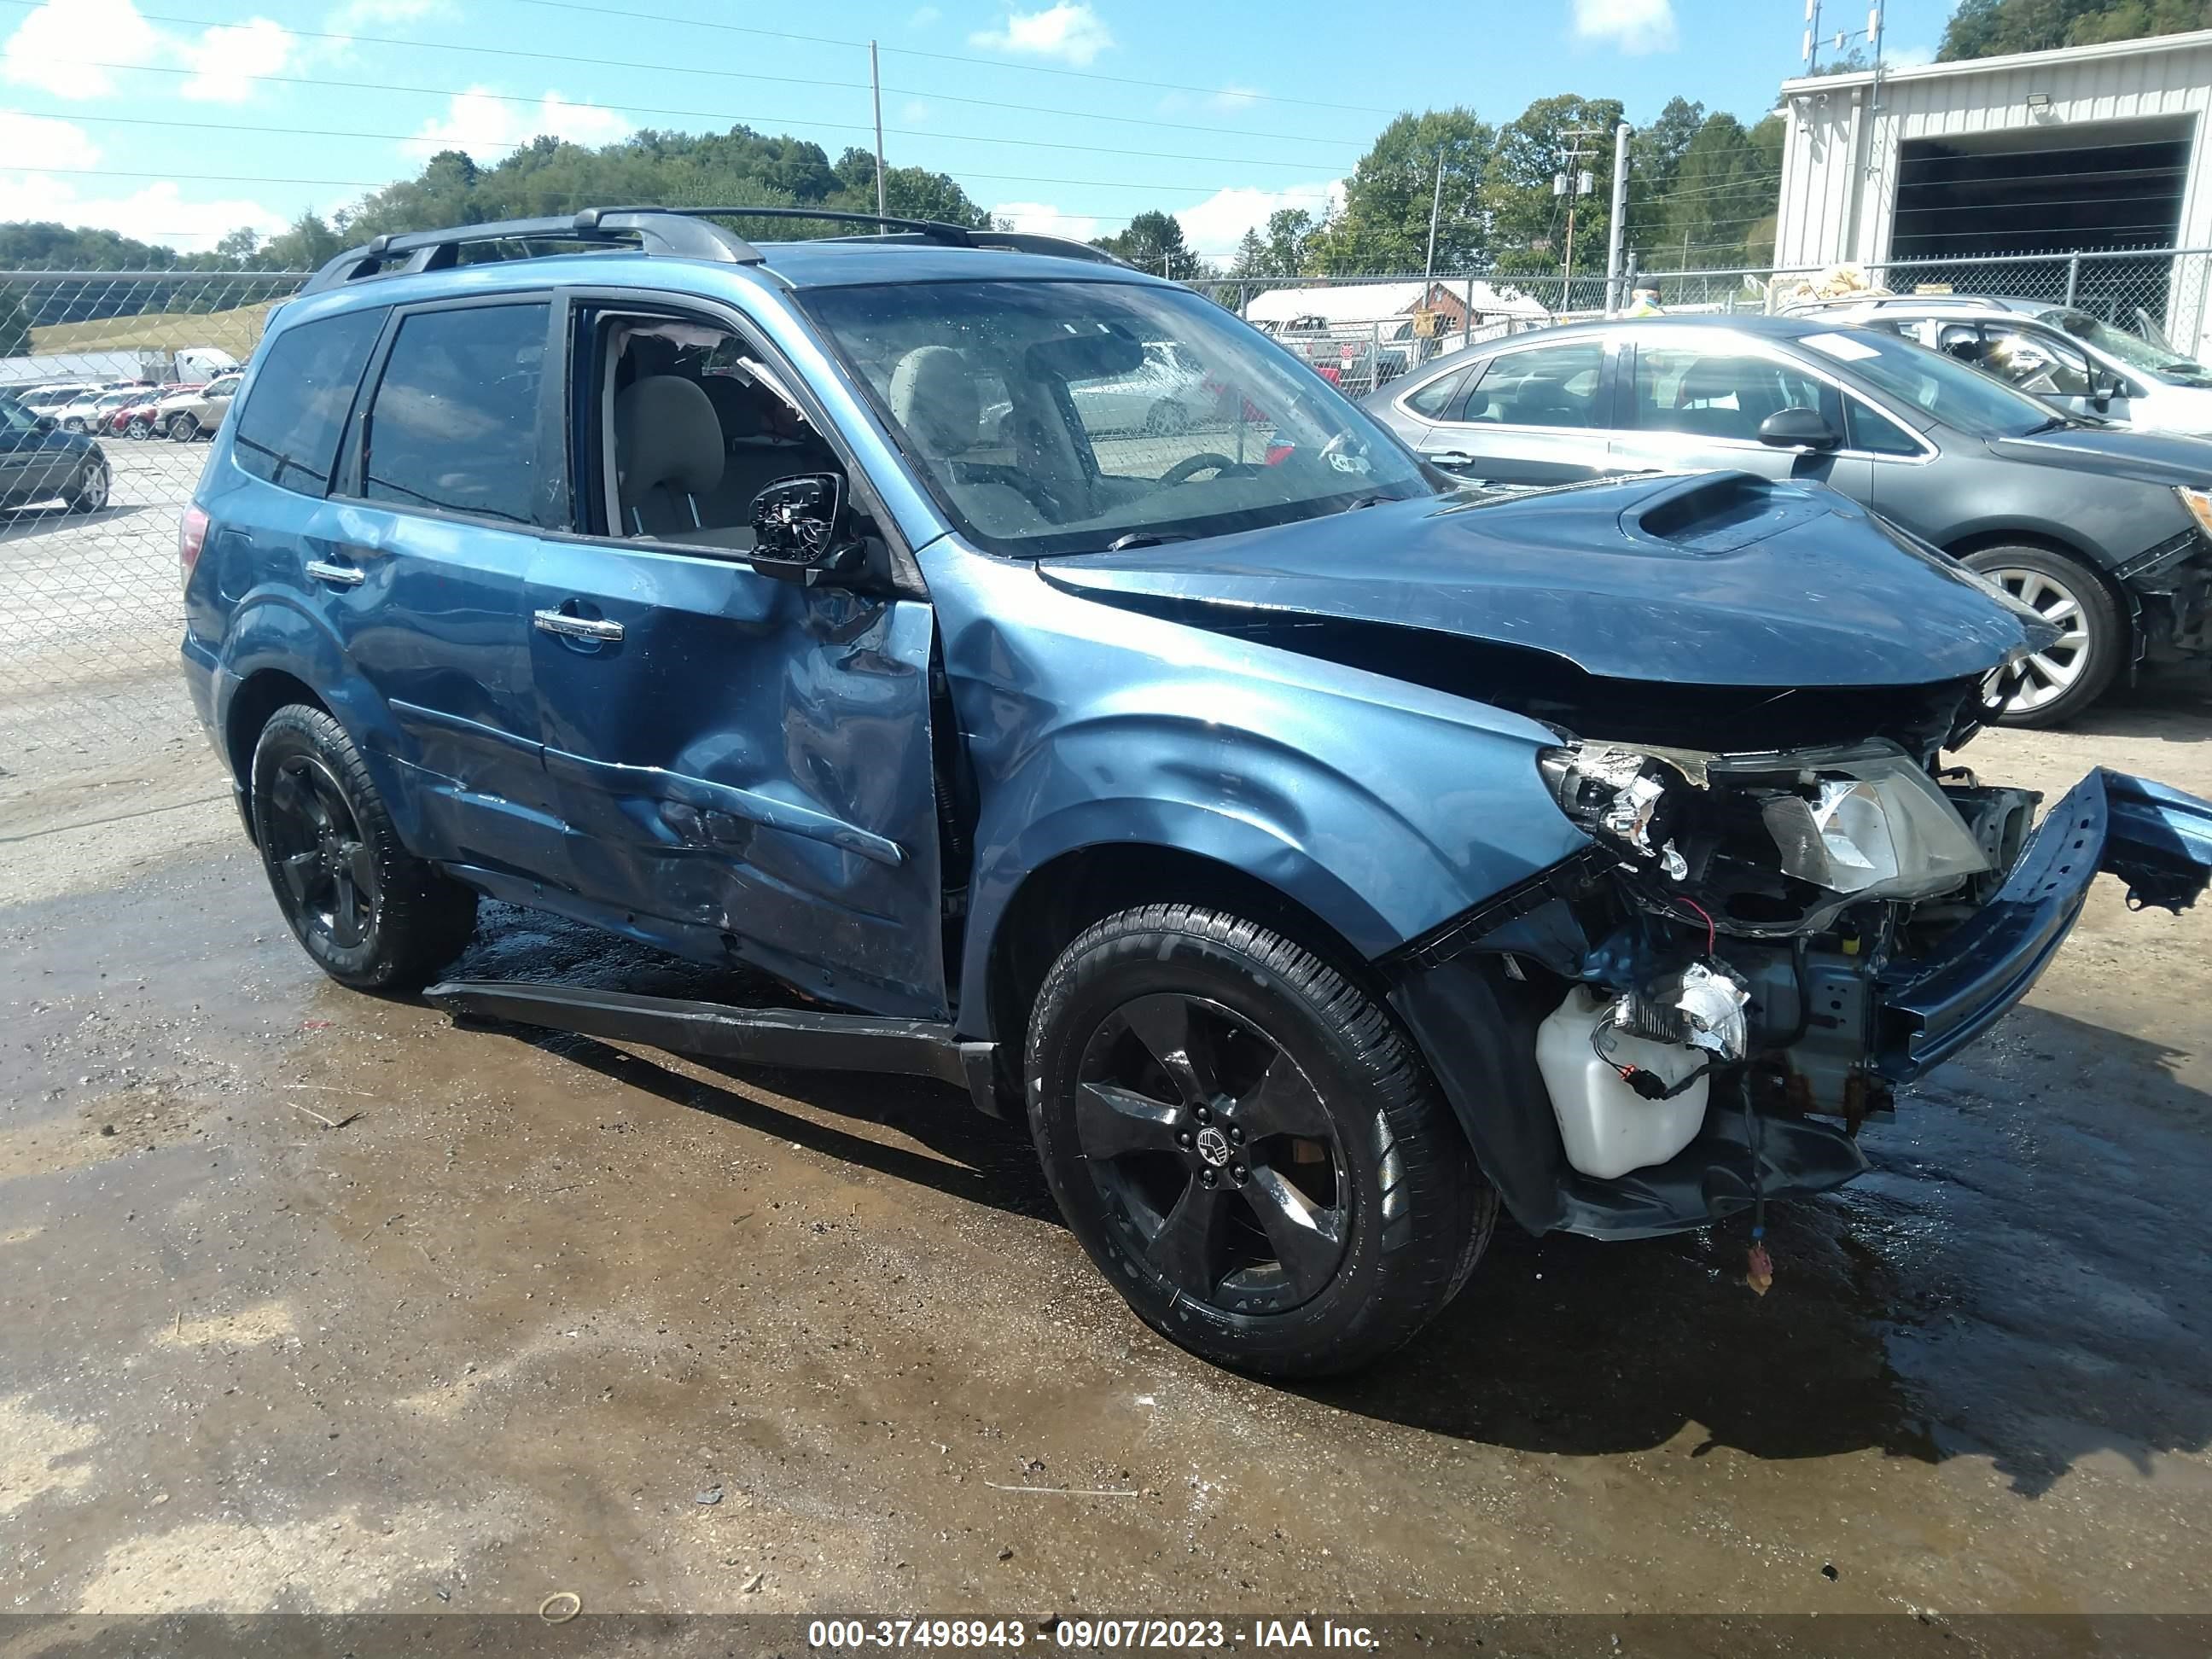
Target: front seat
x=938 y=406
x=668 y=455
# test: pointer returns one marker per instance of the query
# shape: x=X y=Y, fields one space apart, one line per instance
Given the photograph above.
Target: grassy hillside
x=236 y=331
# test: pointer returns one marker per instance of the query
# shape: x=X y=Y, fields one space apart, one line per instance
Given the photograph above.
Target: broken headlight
x=1875 y=827
x=1772 y=843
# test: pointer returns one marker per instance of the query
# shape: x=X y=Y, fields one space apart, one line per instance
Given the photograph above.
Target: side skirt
x=801 y=1039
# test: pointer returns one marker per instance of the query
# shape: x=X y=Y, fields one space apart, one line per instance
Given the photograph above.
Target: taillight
x=191 y=535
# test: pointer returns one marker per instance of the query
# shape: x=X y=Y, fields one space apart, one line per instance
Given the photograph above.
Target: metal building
x=2086 y=150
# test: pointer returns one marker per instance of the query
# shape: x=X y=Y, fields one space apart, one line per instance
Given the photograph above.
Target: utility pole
x=1613 y=296
x=876 y=86
x=1574 y=183
x=1436 y=204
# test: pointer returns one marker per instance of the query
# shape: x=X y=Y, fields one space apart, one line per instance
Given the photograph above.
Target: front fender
x=1382 y=807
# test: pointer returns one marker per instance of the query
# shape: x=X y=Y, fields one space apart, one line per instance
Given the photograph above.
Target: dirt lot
x=556 y=1316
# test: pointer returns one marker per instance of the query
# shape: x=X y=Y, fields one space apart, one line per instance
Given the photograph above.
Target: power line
x=956 y=57
x=852 y=126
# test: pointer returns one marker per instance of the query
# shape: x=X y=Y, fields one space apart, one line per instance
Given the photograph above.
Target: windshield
x=2132 y=349
x=1941 y=387
x=1067 y=417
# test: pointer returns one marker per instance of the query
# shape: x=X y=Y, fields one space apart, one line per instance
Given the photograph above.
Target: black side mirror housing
x=802 y=529
x=1799 y=429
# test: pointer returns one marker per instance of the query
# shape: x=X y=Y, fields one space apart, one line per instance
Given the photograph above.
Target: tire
x=183 y=429
x=73 y=424
x=88 y=491
x=140 y=430
x=2060 y=683
x=372 y=915
x=1234 y=1193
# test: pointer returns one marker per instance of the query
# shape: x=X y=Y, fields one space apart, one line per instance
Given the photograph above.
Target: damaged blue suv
x=1069 y=696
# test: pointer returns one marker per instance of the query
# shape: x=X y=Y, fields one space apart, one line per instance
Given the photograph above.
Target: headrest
x=1707 y=381
x=665 y=435
x=934 y=399
x=736 y=407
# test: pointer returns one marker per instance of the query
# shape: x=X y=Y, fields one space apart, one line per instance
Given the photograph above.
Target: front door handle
x=1448 y=457
x=580 y=627
x=339 y=575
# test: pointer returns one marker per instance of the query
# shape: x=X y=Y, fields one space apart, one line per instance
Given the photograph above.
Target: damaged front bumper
x=1839 y=1028
x=2157 y=839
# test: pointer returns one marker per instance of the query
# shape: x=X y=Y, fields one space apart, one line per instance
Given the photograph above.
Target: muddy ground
x=554 y=1316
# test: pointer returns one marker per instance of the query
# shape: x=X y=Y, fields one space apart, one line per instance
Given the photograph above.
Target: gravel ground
x=510 y=1325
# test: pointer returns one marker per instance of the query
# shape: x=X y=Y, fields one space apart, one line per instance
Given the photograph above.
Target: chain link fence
x=116 y=379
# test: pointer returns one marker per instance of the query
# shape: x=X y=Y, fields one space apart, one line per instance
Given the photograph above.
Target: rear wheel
x=2062 y=680
x=1246 y=1145
x=1167 y=419
x=88 y=491
x=370 y=913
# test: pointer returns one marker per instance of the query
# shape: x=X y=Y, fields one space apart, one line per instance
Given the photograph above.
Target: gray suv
x=2106 y=531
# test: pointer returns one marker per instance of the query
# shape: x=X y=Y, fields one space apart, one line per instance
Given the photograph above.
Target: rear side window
x=288 y=432
x=1436 y=397
x=454 y=422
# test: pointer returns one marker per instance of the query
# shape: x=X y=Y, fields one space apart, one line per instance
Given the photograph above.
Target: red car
x=136 y=419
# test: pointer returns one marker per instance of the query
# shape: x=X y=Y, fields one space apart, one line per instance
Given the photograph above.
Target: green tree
x=308 y=245
x=14 y=324
x=1153 y=241
x=1384 y=225
x=1250 y=258
x=1723 y=196
x=241 y=245
x=1528 y=221
x=1987 y=28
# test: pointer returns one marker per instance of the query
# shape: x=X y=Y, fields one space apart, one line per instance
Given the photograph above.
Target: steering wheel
x=1189 y=466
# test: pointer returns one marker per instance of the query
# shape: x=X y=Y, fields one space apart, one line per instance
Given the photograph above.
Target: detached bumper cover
x=2157 y=839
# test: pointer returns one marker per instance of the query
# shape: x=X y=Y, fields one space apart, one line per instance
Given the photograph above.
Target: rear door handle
x=580 y=627
x=339 y=575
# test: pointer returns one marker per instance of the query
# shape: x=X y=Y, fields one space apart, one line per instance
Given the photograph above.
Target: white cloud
x=487 y=125
x=1635 y=26
x=1215 y=226
x=156 y=214
x=50 y=49
x=1234 y=98
x=1045 y=219
x=226 y=59
x=1908 y=57
x=924 y=17
x=34 y=141
x=914 y=113
x=70 y=48
x=1069 y=31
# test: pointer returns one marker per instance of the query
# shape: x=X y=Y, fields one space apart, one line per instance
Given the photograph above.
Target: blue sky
x=175 y=120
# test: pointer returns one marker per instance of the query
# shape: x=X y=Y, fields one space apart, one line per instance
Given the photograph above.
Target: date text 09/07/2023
x=853 y=1635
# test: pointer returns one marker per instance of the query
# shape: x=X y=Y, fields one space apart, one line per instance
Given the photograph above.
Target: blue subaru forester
x=1071 y=697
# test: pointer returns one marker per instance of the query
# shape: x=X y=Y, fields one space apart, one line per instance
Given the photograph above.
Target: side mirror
x=1799 y=429
x=48 y=423
x=802 y=529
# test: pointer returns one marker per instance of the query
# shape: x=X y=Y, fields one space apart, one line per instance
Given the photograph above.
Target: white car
x=2061 y=354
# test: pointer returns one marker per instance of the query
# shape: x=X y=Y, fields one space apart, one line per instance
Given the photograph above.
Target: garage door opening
x=2079 y=188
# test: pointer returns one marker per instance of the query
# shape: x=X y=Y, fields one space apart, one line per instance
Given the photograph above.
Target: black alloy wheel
x=316 y=848
x=1213 y=1154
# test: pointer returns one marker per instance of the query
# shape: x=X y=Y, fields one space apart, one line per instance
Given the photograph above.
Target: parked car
x=137 y=419
x=40 y=461
x=2084 y=365
x=2107 y=532
x=185 y=416
x=1316 y=857
x=91 y=412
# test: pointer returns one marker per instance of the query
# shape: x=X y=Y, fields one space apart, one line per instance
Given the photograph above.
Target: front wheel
x=2060 y=681
x=140 y=428
x=1247 y=1145
x=370 y=913
x=184 y=428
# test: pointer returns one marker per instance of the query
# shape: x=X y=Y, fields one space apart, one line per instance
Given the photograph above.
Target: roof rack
x=683 y=232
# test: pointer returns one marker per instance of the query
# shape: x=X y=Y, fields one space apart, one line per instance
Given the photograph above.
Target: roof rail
x=683 y=232
x=656 y=230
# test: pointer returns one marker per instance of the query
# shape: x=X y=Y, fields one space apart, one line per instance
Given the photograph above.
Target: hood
x=2115 y=452
x=1719 y=579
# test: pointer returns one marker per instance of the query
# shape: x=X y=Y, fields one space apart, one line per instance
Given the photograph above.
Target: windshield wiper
x=1367 y=500
x=1144 y=538
x=2052 y=425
